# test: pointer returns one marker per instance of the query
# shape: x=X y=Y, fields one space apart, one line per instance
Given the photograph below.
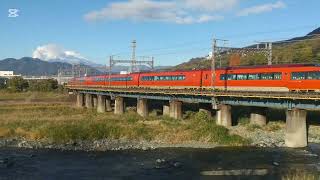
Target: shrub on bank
x=18 y=84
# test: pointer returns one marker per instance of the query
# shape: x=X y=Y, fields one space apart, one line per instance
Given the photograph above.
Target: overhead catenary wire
x=182 y=48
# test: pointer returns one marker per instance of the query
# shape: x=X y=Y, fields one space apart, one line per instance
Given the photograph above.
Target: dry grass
x=62 y=123
x=301 y=175
x=33 y=96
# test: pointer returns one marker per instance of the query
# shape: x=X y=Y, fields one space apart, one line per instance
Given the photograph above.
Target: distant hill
x=194 y=63
x=304 y=49
x=315 y=32
x=32 y=66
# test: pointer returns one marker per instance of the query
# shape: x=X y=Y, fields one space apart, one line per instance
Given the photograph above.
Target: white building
x=7 y=74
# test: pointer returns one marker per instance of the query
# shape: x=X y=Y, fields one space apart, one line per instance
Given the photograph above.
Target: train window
x=298 y=75
x=242 y=76
x=181 y=78
x=232 y=77
x=277 y=76
x=267 y=76
x=222 y=77
x=163 y=78
x=313 y=75
x=253 y=76
x=118 y=79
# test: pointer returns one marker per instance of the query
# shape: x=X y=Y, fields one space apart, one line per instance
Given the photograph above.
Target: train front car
x=274 y=78
x=171 y=80
x=255 y=78
x=304 y=78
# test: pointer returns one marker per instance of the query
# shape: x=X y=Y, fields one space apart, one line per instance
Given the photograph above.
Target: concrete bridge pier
x=101 y=104
x=89 y=101
x=142 y=107
x=224 y=115
x=176 y=109
x=296 y=128
x=95 y=100
x=258 y=116
x=166 y=110
x=108 y=105
x=206 y=108
x=119 y=106
x=80 y=101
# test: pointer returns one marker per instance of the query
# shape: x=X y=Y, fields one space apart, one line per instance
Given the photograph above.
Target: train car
x=79 y=81
x=123 y=80
x=301 y=77
x=284 y=78
x=304 y=78
x=119 y=80
x=171 y=80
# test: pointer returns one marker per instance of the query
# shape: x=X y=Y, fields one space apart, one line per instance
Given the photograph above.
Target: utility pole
x=110 y=69
x=73 y=71
x=224 y=45
x=267 y=50
x=132 y=62
x=270 y=54
x=213 y=62
x=134 y=67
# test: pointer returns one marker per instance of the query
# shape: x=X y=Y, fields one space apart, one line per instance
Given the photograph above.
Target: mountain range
x=35 y=67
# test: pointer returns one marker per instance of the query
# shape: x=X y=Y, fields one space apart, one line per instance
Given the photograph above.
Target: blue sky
x=172 y=31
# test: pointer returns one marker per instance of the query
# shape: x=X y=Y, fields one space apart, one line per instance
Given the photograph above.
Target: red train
x=291 y=77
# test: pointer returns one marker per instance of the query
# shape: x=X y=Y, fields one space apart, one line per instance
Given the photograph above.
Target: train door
x=206 y=79
x=295 y=80
x=138 y=80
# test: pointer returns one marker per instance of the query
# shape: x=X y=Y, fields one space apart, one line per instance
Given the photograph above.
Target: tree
x=3 y=83
x=18 y=84
x=43 y=85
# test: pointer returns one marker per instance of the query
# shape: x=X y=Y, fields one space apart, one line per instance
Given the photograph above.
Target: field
x=23 y=115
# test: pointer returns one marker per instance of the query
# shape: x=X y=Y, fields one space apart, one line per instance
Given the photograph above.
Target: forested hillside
x=304 y=49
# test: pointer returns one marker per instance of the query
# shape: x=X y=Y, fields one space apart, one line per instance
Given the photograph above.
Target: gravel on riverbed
x=264 y=137
x=99 y=145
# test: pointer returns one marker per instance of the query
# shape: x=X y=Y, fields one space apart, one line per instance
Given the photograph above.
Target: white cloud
x=179 y=11
x=53 y=52
x=207 y=18
x=211 y=5
x=262 y=8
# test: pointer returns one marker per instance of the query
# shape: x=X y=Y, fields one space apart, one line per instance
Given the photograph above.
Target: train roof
x=244 y=67
x=228 y=68
x=271 y=66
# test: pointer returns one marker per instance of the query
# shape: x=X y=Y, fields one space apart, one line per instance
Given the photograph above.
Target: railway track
x=203 y=92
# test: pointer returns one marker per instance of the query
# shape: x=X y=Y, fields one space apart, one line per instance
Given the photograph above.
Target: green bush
x=217 y=134
x=43 y=85
x=244 y=121
x=202 y=116
x=3 y=83
x=18 y=84
x=188 y=115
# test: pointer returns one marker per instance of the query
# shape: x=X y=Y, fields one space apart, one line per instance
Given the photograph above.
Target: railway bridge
x=296 y=105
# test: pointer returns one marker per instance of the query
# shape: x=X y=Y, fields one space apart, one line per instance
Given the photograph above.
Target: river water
x=174 y=163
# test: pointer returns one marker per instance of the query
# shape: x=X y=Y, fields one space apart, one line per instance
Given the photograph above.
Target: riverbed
x=164 y=163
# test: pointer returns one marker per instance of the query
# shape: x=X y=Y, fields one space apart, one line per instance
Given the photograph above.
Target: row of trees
x=18 y=84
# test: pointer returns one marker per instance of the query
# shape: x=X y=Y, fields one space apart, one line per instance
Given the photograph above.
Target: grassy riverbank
x=33 y=96
x=63 y=123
